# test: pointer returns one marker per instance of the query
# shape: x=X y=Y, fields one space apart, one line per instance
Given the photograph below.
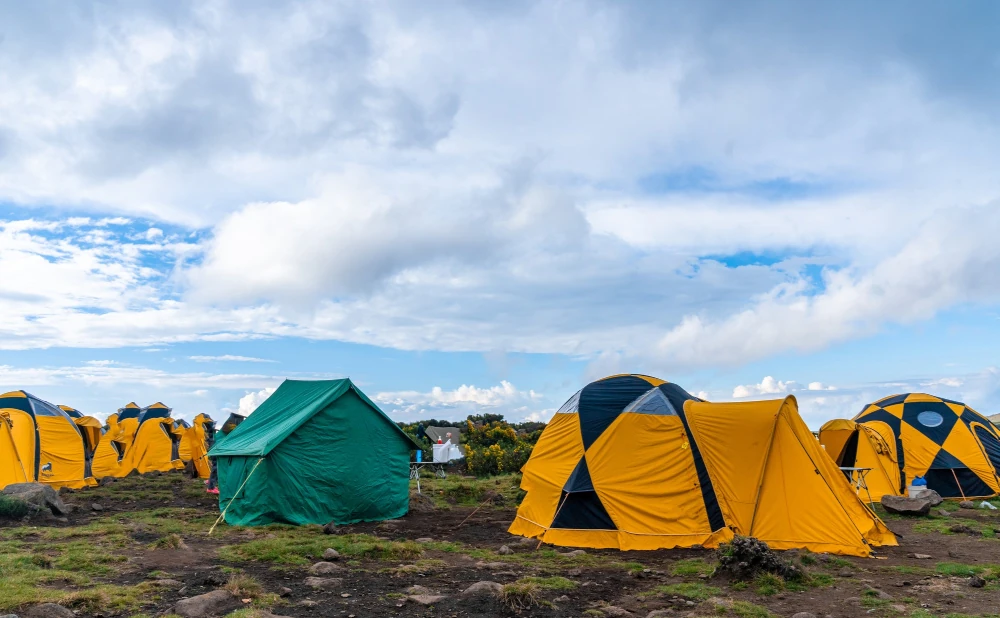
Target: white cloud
x=767 y=386
x=229 y=358
x=503 y=398
x=252 y=401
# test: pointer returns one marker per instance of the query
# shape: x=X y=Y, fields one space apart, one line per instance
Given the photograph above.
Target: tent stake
x=223 y=514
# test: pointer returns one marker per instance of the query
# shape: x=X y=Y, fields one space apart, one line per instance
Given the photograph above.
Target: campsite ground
x=147 y=547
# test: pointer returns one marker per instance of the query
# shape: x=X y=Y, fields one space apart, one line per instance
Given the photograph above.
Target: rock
x=845 y=572
x=901 y=505
x=48 y=610
x=954 y=554
x=323 y=583
x=96 y=507
x=878 y=594
x=934 y=497
x=962 y=529
x=331 y=554
x=108 y=480
x=921 y=556
x=804 y=615
x=505 y=551
x=484 y=587
x=562 y=599
x=425 y=539
x=966 y=504
x=168 y=583
x=977 y=582
x=523 y=540
x=325 y=568
x=308 y=603
x=616 y=612
x=9 y=616
x=943 y=513
x=661 y=613
x=38 y=496
x=418 y=590
x=208 y=604
x=898 y=608
x=330 y=528
x=576 y=552
x=425 y=599
x=214 y=579
x=284 y=591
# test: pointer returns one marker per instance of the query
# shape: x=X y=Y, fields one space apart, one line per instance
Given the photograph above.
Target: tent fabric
x=944 y=441
x=194 y=444
x=669 y=470
x=312 y=453
x=16 y=451
x=156 y=447
x=864 y=445
x=57 y=446
x=110 y=452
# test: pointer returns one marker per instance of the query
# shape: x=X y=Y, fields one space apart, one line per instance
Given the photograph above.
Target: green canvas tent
x=312 y=453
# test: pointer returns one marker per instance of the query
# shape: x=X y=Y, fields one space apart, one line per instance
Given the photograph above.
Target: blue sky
x=476 y=207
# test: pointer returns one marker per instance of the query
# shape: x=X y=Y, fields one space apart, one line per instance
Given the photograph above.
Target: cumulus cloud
x=252 y=401
x=229 y=358
x=771 y=386
x=503 y=398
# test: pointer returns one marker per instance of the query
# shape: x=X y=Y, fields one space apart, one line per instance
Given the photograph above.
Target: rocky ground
x=140 y=547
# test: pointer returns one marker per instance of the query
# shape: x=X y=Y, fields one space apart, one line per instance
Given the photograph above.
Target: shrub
x=11 y=508
x=746 y=557
x=519 y=595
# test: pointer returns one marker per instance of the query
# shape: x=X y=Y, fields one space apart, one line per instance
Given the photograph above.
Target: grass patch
x=768 y=584
x=296 y=546
x=696 y=591
x=244 y=586
x=519 y=596
x=911 y=570
x=170 y=541
x=745 y=609
x=873 y=600
x=550 y=583
x=11 y=508
x=457 y=490
x=692 y=567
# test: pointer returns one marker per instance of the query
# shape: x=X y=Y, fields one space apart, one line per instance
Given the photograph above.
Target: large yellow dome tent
x=633 y=462
x=111 y=450
x=15 y=466
x=864 y=445
x=156 y=446
x=47 y=438
x=948 y=443
x=195 y=443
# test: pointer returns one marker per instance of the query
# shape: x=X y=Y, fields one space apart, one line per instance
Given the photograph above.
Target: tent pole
x=961 y=493
x=24 y=473
x=223 y=514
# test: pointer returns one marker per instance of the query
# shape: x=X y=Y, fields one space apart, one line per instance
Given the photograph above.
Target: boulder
x=331 y=554
x=325 y=568
x=933 y=496
x=425 y=599
x=209 y=604
x=484 y=588
x=966 y=504
x=38 y=496
x=48 y=610
x=323 y=583
x=901 y=505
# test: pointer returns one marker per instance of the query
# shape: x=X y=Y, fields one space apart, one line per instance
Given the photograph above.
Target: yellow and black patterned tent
x=948 y=443
x=633 y=462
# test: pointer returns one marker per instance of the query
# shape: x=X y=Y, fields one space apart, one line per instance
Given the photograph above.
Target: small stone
x=49 y=610
x=208 y=604
x=345 y=595
x=323 y=583
x=425 y=599
x=976 y=582
x=505 y=551
x=575 y=552
x=943 y=513
x=879 y=594
x=898 y=608
x=966 y=504
x=284 y=591
x=425 y=539
x=308 y=603
x=9 y=616
x=562 y=599
x=168 y=583
x=574 y=572
x=418 y=590
x=845 y=572
x=330 y=528
x=660 y=613
x=804 y=615
x=921 y=556
x=96 y=507
x=331 y=554
x=616 y=612
x=689 y=603
x=483 y=587
x=325 y=568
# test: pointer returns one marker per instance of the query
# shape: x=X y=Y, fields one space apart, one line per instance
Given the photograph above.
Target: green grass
x=695 y=591
x=988 y=572
x=910 y=570
x=456 y=490
x=519 y=596
x=745 y=609
x=11 y=508
x=870 y=598
x=768 y=584
x=550 y=583
x=296 y=546
x=692 y=567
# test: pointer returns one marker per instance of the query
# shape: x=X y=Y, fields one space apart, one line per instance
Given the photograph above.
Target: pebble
x=331 y=554
x=425 y=539
x=505 y=551
x=96 y=507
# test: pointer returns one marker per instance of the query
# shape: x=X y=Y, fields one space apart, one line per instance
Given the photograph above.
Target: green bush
x=11 y=508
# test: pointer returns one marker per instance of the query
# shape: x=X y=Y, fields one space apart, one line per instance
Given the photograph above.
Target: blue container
x=420 y=456
x=919 y=482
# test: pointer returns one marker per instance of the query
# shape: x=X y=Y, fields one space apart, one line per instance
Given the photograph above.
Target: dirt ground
x=153 y=529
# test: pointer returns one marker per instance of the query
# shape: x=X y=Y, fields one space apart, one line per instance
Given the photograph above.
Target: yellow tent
x=864 y=445
x=195 y=443
x=91 y=428
x=156 y=446
x=49 y=437
x=15 y=466
x=128 y=419
x=111 y=450
x=948 y=443
x=632 y=462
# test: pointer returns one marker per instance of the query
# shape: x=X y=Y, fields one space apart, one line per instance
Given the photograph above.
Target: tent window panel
x=930 y=419
x=572 y=405
x=653 y=402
